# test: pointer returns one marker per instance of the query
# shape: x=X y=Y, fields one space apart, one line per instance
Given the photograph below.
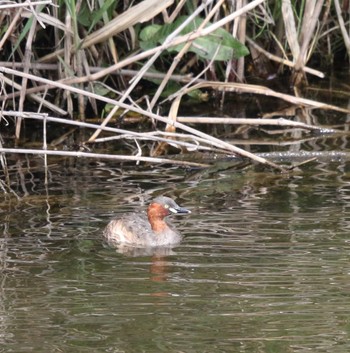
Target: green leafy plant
x=219 y=45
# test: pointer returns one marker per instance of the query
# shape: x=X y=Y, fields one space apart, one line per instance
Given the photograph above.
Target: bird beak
x=179 y=210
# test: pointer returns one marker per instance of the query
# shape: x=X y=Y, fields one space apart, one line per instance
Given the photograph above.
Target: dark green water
x=264 y=266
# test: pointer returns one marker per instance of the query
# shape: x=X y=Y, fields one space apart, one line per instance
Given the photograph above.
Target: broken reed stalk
x=147 y=53
x=231 y=87
x=45 y=149
x=212 y=140
x=283 y=61
x=25 y=4
x=181 y=53
x=32 y=96
x=10 y=28
x=310 y=21
x=94 y=69
x=164 y=46
x=139 y=13
x=255 y=122
x=102 y=156
x=3 y=163
x=66 y=71
x=290 y=28
x=148 y=65
x=261 y=90
x=174 y=138
x=344 y=30
x=27 y=59
x=241 y=36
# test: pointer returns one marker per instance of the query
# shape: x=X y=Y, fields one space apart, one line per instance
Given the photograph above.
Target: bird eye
x=166 y=206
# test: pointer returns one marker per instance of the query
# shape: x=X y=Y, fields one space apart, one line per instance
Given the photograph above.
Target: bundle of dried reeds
x=83 y=47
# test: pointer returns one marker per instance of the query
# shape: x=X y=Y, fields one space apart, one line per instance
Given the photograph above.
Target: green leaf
x=100 y=13
x=147 y=35
x=219 y=45
x=84 y=16
x=149 y=32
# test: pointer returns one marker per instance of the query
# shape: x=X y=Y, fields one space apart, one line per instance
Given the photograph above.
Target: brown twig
x=102 y=156
x=255 y=122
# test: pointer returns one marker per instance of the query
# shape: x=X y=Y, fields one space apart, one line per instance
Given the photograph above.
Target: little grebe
x=136 y=229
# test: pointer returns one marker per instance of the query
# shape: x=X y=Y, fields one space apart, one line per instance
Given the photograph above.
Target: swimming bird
x=151 y=230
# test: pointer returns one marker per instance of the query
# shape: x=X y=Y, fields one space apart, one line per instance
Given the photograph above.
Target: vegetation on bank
x=76 y=59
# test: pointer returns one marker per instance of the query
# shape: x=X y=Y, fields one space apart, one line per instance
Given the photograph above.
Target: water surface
x=264 y=266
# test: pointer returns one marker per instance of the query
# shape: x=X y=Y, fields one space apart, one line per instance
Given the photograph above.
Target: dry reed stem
x=248 y=121
x=174 y=42
x=94 y=69
x=168 y=42
x=111 y=44
x=189 y=147
x=181 y=53
x=171 y=18
x=212 y=140
x=241 y=36
x=139 y=13
x=310 y=19
x=25 y=4
x=67 y=57
x=290 y=28
x=284 y=61
x=261 y=90
x=147 y=66
x=174 y=138
x=27 y=59
x=343 y=29
x=10 y=28
x=44 y=18
x=3 y=163
x=102 y=156
x=123 y=134
x=135 y=58
x=232 y=87
x=273 y=142
x=35 y=13
x=34 y=97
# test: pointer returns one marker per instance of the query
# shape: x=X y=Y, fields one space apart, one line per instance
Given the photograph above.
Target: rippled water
x=264 y=266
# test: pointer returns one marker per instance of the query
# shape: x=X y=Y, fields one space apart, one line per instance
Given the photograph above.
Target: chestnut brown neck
x=156 y=214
